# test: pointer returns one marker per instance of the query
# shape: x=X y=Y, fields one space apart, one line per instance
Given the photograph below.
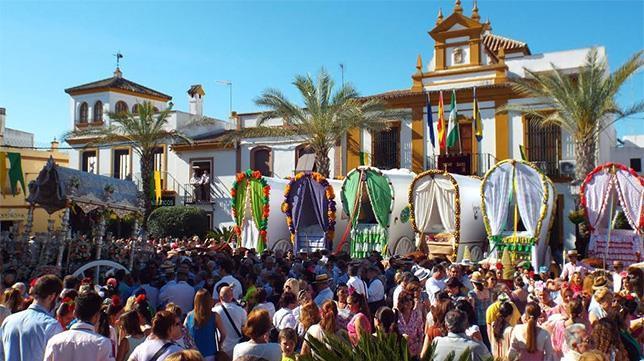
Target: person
x=130 y=333
x=501 y=332
x=435 y=283
x=618 y=267
x=456 y=341
x=204 y=184
x=324 y=293
x=233 y=318
x=359 y=323
x=556 y=324
x=402 y=279
x=577 y=342
x=481 y=299
x=166 y=328
x=355 y=282
x=144 y=312
x=185 y=340
x=344 y=311
x=288 y=340
x=519 y=294
x=574 y=266
x=435 y=320
x=260 y=302
x=410 y=322
x=65 y=312
x=204 y=326
x=178 y=291
x=309 y=316
x=375 y=290
x=326 y=326
x=284 y=317
x=25 y=334
x=529 y=341
x=625 y=311
x=603 y=298
x=385 y=320
x=11 y=302
x=227 y=278
x=492 y=312
x=454 y=287
x=185 y=355
x=81 y=342
x=606 y=339
x=195 y=182
x=473 y=329
x=256 y=328
x=593 y=355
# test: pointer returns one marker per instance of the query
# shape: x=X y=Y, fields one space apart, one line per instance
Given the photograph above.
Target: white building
x=630 y=151
x=13 y=137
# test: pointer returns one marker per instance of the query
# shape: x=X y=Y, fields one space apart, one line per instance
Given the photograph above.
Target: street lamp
x=230 y=89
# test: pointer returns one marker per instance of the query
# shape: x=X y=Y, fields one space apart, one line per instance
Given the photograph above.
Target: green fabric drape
x=240 y=201
x=15 y=173
x=380 y=194
x=257 y=207
x=350 y=193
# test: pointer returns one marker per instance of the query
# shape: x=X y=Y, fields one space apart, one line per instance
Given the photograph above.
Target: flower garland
x=250 y=176
x=329 y=193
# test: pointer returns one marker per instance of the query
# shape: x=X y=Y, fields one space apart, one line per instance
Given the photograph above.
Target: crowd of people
x=201 y=301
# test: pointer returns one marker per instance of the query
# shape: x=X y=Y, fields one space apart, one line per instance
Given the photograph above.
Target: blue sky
x=46 y=47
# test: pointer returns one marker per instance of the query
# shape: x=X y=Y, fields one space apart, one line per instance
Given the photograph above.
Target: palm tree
x=145 y=131
x=323 y=120
x=584 y=104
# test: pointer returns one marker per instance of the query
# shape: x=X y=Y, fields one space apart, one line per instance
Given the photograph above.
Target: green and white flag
x=452 y=127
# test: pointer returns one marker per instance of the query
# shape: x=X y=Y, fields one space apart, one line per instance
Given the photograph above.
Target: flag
x=441 y=122
x=476 y=118
x=157 y=186
x=3 y=171
x=452 y=125
x=524 y=154
x=362 y=158
x=15 y=173
x=430 y=122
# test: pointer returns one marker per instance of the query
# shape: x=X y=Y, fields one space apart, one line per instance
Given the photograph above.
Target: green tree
x=178 y=221
x=322 y=121
x=144 y=131
x=584 y=104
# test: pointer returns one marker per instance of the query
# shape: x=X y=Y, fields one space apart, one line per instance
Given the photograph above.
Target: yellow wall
x=15 y=208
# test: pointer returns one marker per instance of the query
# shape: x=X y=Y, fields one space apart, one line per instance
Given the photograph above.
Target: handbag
x=242 y=338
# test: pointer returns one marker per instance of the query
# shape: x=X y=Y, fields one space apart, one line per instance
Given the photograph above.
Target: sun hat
x=422 y=273
x=477 y=277
x=321 y=278
x=600 y=282
x=573 y=253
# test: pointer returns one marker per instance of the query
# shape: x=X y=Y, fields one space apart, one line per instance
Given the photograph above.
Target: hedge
x=178 y=221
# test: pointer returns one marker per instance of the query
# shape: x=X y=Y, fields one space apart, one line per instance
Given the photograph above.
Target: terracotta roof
x=197 y=88
x=402 y=93
x=118 y=82
x=495 y=42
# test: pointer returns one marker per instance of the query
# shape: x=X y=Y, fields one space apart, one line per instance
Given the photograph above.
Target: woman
x=410 y=322
x=344 y=311
x=326 y=327
x=256 y=328
x=519 y=295
x=186 y=355
x=284 y=317
x=386 y=321
x=481 y=299
x=627 y=310
x=11 y=303
x=567 y=295
x=603 y=302
x=473 y=331
x=131 y=335
x=204 y=326
x=528 y=341
x=557 y=323
x=260 y=302
x=359 y=323
x=65 y=312
x=576 y=283
x=605 y=338
x=502 y=331
x=185 y=341
x=309 y=316
x=292 y=285
x=144 y=311
x=166 y=328
x=435 y=321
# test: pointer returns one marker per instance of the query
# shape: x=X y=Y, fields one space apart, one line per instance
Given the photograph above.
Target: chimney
x=195 y=99
x=3 y=113
x=54 y=145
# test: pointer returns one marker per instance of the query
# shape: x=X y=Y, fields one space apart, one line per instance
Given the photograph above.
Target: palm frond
x=257 y=132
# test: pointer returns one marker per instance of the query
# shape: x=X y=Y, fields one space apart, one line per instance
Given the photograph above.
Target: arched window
x=121 y=107
x=98 y=112
x=135 y=109
x=261 y=160
x=82 y=117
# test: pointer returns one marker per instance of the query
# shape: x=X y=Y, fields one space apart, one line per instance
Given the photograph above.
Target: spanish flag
x=476 y=118
x=442 y=129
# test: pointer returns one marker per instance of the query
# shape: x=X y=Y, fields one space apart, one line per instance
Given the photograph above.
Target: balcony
x=462 y=163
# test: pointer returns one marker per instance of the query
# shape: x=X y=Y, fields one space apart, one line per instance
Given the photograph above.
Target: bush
x=178 y=221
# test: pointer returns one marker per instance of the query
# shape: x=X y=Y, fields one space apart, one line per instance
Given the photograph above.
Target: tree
x=145 y=131
x=584 y=104
x=178 y=221
x=323 y=120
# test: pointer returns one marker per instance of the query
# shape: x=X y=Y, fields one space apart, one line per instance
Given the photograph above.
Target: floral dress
x=413 y=328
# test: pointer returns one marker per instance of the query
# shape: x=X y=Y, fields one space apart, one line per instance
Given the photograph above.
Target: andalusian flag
x=442 y=128
x=452 y=130
x=15 y=173
x=3 y=171
x=430 y=122
x=476 y=118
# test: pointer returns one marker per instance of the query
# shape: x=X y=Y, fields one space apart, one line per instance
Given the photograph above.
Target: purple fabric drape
x=316 y=193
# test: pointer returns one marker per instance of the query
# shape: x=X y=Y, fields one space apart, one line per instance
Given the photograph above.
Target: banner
x=15 y=173
x=3 y=171
x=157 y=185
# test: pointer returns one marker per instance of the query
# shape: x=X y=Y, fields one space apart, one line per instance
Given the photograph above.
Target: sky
x=46 y=47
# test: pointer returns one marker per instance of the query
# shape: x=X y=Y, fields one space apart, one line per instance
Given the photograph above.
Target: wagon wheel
x=476 y=253
x=103 y=267
x=403 y=246
x=282 y=245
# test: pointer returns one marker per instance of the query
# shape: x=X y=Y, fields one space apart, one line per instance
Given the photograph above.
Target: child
x=288 y=340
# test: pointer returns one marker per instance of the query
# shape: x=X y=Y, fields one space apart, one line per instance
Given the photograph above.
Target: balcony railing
x=462 y=163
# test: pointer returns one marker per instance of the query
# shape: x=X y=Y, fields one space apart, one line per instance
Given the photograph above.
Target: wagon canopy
x=309 y=206
x=58 y=187
x=250 y=209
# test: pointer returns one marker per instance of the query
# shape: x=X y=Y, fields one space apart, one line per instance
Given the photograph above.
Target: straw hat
x=321 y=278
x=477 y=277
x=572 y=253
x=600 y=282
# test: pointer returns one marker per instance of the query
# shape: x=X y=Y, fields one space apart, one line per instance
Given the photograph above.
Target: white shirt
x=617 y=282
x=569 y=269
x=179 y=293
x=238 y=315
x=358 y=285
x=152 y=295
x=433 y=286
x=149 y=347
x=230 y=281
x=268 y=351
x=284 y=318
x=324 y=295
x=80 y=343
x=268 y=306
x=397 y=291
x=376 y=291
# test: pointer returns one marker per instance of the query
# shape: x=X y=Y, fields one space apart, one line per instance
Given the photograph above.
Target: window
x=98 y=112
x=82 y=114
x=121 y=164
x=89 y=162
x=385 y=147
x=464 y=143
x=260 y=159
x=135 y=109
x=200 y=179
x=121 y=107
x=636 y=164
x=543 y=145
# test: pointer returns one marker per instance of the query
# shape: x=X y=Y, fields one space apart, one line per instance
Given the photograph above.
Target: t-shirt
x=147 y=349
x=268 y=351
x=492 y=314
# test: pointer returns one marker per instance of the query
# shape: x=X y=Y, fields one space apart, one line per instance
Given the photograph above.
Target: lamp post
x=229 y=84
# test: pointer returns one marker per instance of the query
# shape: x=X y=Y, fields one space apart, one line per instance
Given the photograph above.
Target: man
x=574 y=266
x=455 y=288
x=355 y=283
x=81 y=342
x=456 y=272
x=435 y=283
x=178 y=291
x=404 y=278
x=25 y=334
x=376 y=290
x=225 y=271
x=576 y=338
x=618 y=266
x=232 y=316
x=322 y=289
x=457 y=342
x=340 y=276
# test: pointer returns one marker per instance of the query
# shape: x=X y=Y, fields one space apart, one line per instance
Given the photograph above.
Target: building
x=14 y=209
x=630 y=151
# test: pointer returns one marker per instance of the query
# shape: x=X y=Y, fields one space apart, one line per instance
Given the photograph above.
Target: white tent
x=515 y=192
x=446 y=213
x=608 y=187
